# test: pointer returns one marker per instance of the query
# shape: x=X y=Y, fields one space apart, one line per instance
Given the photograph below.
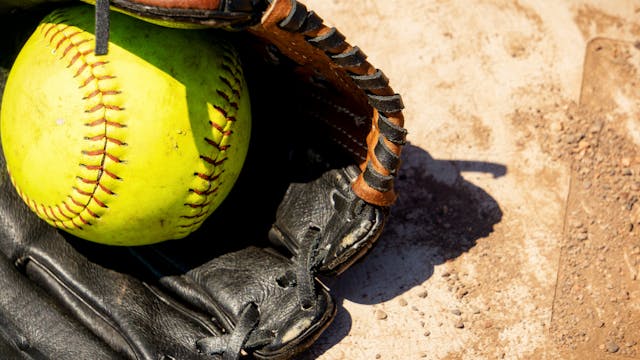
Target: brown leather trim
x=298 y=47
x=360 y=186
x=181 y=4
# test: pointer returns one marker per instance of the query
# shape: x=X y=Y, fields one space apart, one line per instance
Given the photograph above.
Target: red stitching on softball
x=65 y=38
x=103 y=137
x=102 y=153
x=228 y=112
x=75 y=213
x=41 y=210
x=233 y=104
x=220 y=128
x=81 y=69
x=207 y=192
x=104 y=121
x=82 y=192
x=92 y=213
x=101 y=92
x=230 y=69
x=100 y=203
x=105 y=189
x=198 y=206
x=82 y=219
x=102 y=106
x=64 y=215
x=234 y=89
x=73 y=59
x=87 y=181
x=46 y=211
x=72 y=45
x=59 y=31
x=196 y=216
x=216 y=145
x=208 y=177
x=211 y=161
x=53 y=213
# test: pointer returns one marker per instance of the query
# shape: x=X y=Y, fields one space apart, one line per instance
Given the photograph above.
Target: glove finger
x=227 y=285
x=33 y=325
x=347 y=225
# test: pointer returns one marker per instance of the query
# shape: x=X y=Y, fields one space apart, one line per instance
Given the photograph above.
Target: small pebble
x=612 y=347
x=427 y=333
x=403 y=302
x=423 y=294
x=381 y=315
x=556 y=126
x=459 y=325
x=456 y=312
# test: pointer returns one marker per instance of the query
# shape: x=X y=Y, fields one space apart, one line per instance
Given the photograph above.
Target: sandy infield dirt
x=517 y=230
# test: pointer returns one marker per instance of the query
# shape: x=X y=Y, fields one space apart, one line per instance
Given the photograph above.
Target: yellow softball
x=133 y=147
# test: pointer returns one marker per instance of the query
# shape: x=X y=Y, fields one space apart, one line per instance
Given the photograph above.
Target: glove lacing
x=301 y=278
x=306 y=262
x=231 y=345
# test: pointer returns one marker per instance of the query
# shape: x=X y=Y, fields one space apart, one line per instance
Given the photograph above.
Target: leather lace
x=230 y=345
x=102 y=27
x=305 y=262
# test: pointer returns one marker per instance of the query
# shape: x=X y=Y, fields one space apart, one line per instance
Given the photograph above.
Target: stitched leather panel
x=281 y=25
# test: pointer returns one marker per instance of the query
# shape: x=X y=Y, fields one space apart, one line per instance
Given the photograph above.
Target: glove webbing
x=287 y=22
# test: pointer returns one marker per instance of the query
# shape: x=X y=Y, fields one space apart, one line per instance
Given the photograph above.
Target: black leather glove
x=333 y=130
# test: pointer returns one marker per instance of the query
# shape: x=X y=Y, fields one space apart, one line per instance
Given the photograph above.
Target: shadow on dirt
x=438 y=216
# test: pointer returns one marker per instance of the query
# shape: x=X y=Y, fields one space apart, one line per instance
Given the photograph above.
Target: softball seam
x=232 y=79
x=75 y=211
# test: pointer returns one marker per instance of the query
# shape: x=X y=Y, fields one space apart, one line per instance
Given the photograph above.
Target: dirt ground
x=517 y=233
x=517 y=230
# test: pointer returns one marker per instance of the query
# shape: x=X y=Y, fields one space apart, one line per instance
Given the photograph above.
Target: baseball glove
x=312 y=199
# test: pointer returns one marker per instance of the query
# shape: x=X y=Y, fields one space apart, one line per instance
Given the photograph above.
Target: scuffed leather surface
x=115 y=305
x=347 y=225
x=32 y=324
x=128 y=298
